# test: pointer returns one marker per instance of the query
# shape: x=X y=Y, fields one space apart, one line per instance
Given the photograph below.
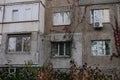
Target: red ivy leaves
x=116 y=31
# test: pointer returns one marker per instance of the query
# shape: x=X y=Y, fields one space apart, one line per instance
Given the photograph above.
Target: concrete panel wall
x=20 y=27
x=86 y=28
x=2 y=2
x=1 y=27
x=101 y=61
x=35 y=26
x=64 y=62
x=19 y=58
x=14 y=1
x=41 y=18
x=89 y=2
x=22 y=14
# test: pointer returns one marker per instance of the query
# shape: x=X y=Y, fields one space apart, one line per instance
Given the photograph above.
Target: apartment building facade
x=21 y=29
x=71 y=30
x=81 y=30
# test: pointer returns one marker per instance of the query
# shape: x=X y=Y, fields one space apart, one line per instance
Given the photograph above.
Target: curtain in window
x=106 y=15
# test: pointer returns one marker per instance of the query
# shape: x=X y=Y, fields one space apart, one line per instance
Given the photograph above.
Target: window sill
x=61 y=25
x=61 y=56
x=101 y=55
x=18 y=21
x=102 y=23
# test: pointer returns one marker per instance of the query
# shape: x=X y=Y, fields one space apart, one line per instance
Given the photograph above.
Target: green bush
x=48 y=73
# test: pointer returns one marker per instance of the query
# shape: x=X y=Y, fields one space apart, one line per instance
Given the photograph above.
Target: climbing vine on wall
x=116 y=31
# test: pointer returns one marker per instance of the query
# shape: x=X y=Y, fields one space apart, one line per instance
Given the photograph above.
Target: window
x=28 y=14
x=15 y=14
x=23 y=12
x=100 y=16
x=61 y=18
x=19 y=43
x=1 y=13
x=100 y=48
x=61 y=49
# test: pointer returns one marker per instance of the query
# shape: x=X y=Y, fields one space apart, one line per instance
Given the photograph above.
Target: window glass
x=100 y=16
x=68 y=48
x=19 y=43
x=15 y=15
x=61 y=18
x=28 y=14
x=100 y=48
x=24 y=12
x=106 y=15
x=12 y=44
x=61 y=48
x=26 y=43
x=1 y=13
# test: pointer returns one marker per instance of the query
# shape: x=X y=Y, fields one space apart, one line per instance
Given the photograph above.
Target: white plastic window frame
x=19 y=35
x=103 y=47
x=104 y=12
x=58 y=49
x=61 y=18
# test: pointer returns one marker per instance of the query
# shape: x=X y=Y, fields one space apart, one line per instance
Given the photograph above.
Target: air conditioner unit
x=97 y=25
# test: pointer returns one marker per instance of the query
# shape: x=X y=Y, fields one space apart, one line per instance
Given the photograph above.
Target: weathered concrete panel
x=3 y=59
x=19 y=58
x=17 y=1
x=100 y=61
x=41 y=18
x=13 y=1
x=25 y=12
x=76 y=54
x=2 y=2
x=1 y=28
x=20 y=27
x=89 y=2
